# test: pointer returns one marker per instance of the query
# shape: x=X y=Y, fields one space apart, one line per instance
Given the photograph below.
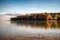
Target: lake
x=28 y=30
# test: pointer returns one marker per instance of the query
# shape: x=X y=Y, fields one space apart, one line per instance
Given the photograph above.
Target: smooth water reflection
x=41 y=24
x=29 y=28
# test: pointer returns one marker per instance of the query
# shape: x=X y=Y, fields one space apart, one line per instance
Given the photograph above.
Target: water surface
x=49 y=28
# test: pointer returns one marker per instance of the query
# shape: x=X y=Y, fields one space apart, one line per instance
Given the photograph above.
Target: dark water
x=29 y=28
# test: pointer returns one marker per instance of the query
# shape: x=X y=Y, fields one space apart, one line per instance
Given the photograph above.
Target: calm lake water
x=29 y=28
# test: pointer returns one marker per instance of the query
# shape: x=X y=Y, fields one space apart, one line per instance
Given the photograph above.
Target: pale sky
x=29 y=6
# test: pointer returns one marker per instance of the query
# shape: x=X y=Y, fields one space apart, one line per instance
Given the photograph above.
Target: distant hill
x=13 y=14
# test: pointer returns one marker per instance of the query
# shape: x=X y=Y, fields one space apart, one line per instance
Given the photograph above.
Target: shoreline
x=30 y=38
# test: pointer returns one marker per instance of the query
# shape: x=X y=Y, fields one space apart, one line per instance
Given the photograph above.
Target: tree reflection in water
x=42 y=24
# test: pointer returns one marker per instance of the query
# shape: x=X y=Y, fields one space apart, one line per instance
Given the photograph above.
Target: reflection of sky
x=28 y=6
x=12 y=29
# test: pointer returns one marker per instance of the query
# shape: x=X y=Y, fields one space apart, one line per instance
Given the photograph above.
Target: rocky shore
x=29 y=38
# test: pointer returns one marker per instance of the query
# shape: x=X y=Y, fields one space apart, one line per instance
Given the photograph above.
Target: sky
x=29 y=6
